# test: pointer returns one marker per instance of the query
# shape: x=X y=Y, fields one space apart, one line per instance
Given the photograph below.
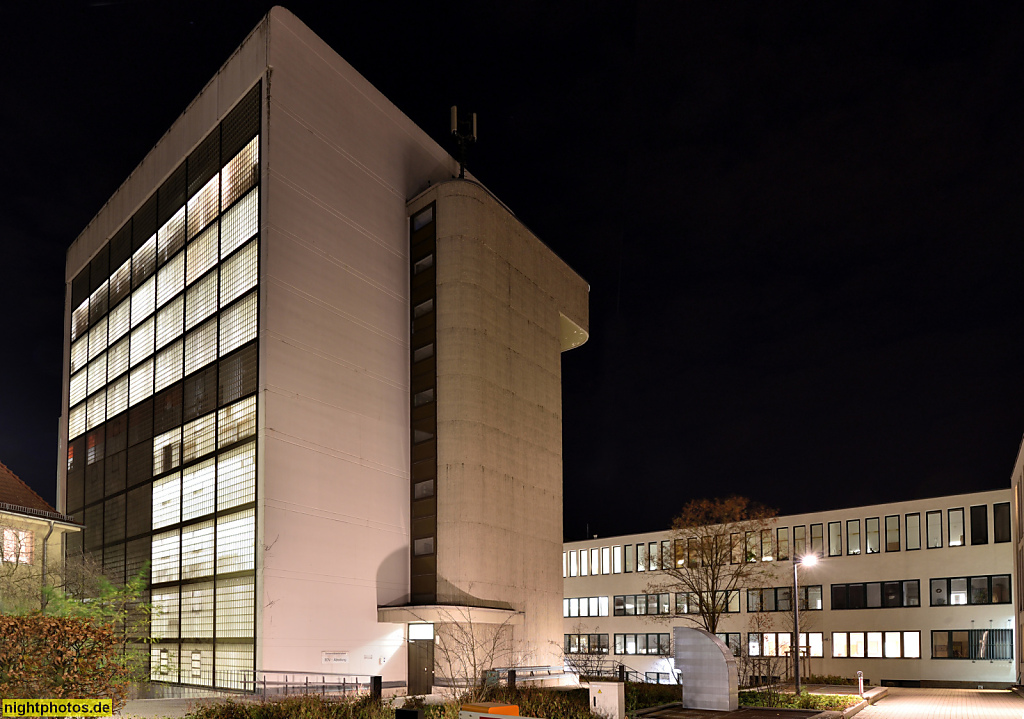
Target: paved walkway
x=946 y=704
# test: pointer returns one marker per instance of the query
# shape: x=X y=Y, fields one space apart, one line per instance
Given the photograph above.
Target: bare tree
x=465 y=648
x=718 y=550
x=583 y=658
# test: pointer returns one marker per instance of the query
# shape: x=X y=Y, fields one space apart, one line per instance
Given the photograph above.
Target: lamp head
x=809 y=560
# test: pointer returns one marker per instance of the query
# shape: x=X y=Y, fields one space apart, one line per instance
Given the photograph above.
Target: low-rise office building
x=913 y=593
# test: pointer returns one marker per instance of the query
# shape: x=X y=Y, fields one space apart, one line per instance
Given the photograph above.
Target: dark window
x=1001 y=521
x=818 y=539
x=974 y=644
x=238 y=375
x=167 y=409
x=874 y=595
x=979 y=524
x=958 y=591
x=200 y=394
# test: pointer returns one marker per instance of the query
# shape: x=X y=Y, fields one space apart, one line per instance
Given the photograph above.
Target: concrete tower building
x=318 y=419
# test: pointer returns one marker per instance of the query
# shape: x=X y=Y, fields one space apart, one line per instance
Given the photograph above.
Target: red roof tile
x=16 y=492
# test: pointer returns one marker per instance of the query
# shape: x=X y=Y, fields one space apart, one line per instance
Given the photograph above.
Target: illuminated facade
x=246 y=321
x=918 y=593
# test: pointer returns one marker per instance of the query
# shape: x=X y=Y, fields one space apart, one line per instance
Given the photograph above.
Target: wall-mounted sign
x=334 y=657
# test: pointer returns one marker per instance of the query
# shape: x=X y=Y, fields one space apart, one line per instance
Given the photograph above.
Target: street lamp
x=808 y=560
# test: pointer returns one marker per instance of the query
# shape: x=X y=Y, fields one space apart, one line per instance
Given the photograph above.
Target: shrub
x=61 y=657
x=821 y=702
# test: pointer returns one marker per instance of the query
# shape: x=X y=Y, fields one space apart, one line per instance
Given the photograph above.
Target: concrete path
x=946 y=704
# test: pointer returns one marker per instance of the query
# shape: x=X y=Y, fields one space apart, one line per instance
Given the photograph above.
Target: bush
x=831 y=679
x=307 y=707
x=61 y=657
x=785 y=700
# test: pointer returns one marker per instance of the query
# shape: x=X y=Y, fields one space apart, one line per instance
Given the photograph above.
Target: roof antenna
x=465 y=134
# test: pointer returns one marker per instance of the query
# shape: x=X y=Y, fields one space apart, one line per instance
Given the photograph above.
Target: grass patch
x=786 y=700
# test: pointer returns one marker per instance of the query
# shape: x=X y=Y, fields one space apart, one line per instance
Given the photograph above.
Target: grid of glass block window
x=147 y=361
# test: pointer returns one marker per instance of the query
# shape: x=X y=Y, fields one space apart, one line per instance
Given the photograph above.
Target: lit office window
x=142 y=341
x=853 y=536
x=77 y=388
x=235 y=607
x=198 y=438
x=238 y=324
x=119 y=321
x=197 y=610
x=98 y=338
x=97 y=412
x=167 y=501
x=240 y=223
x=163 y=664
x=76 y=421
x=818 y=539
x=143 y=301
x=236 y=422
x=583 y=562
x=167 y=451
x=617 y=559
x=595 y=561
x=236 y=541
x=573 y=564
x=197 y=550
x=79 y=354
x=165 y=614
x=892 y=533
x=238 y=275
x=835 y=539
x=956 y=527
x=198 y=486
x=97 y=373
x=799 y=540
x=168 y=366
x=934 y=521
x=241 y=172
x=121 y=283
x=201 y=254
x=913 y=540
x=783 y=542
x=204 y=206
x=117 y=397
x=169 y=321
x=143 y=262
x=80 y=320
x=170 y=280
x=98 y=301
x=606 y=564
x=201 y=300
x=171 y=237
x=117 y=358
x=236 y=476
x=871 y=525
x=201 y=346
x=166 y=556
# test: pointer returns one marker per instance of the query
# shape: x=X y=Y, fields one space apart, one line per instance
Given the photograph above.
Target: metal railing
x=276 y=683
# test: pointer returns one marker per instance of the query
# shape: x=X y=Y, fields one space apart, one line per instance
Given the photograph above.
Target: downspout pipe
x=42 y=587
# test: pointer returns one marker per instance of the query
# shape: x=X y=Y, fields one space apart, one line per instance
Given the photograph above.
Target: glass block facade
x=162 y=405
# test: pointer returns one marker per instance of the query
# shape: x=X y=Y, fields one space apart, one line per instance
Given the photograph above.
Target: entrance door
x=421 y=666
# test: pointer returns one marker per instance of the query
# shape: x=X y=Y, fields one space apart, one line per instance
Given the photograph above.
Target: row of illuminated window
x=17 y=547
x=195 y=222
x=188 y=611
x=192 y=552
x=218 y=484
x=202 y=435
x=973 y=644
x=585 y=607
x=988 y=589
x=151 y=320
x=193 y=663
x=625 y=644
x=768 y=544
x=200 y=347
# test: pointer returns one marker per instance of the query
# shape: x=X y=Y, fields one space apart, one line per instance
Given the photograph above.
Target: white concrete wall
x=500 y=296
x=924 y=564
x=1016 y=517
x=340 y=163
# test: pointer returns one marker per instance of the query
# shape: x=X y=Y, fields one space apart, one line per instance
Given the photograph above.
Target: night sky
x=801 y=222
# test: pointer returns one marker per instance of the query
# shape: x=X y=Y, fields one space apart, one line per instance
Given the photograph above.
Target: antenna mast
x=465 y=134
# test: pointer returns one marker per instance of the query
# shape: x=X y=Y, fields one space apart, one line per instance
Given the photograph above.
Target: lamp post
x=810 y=560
